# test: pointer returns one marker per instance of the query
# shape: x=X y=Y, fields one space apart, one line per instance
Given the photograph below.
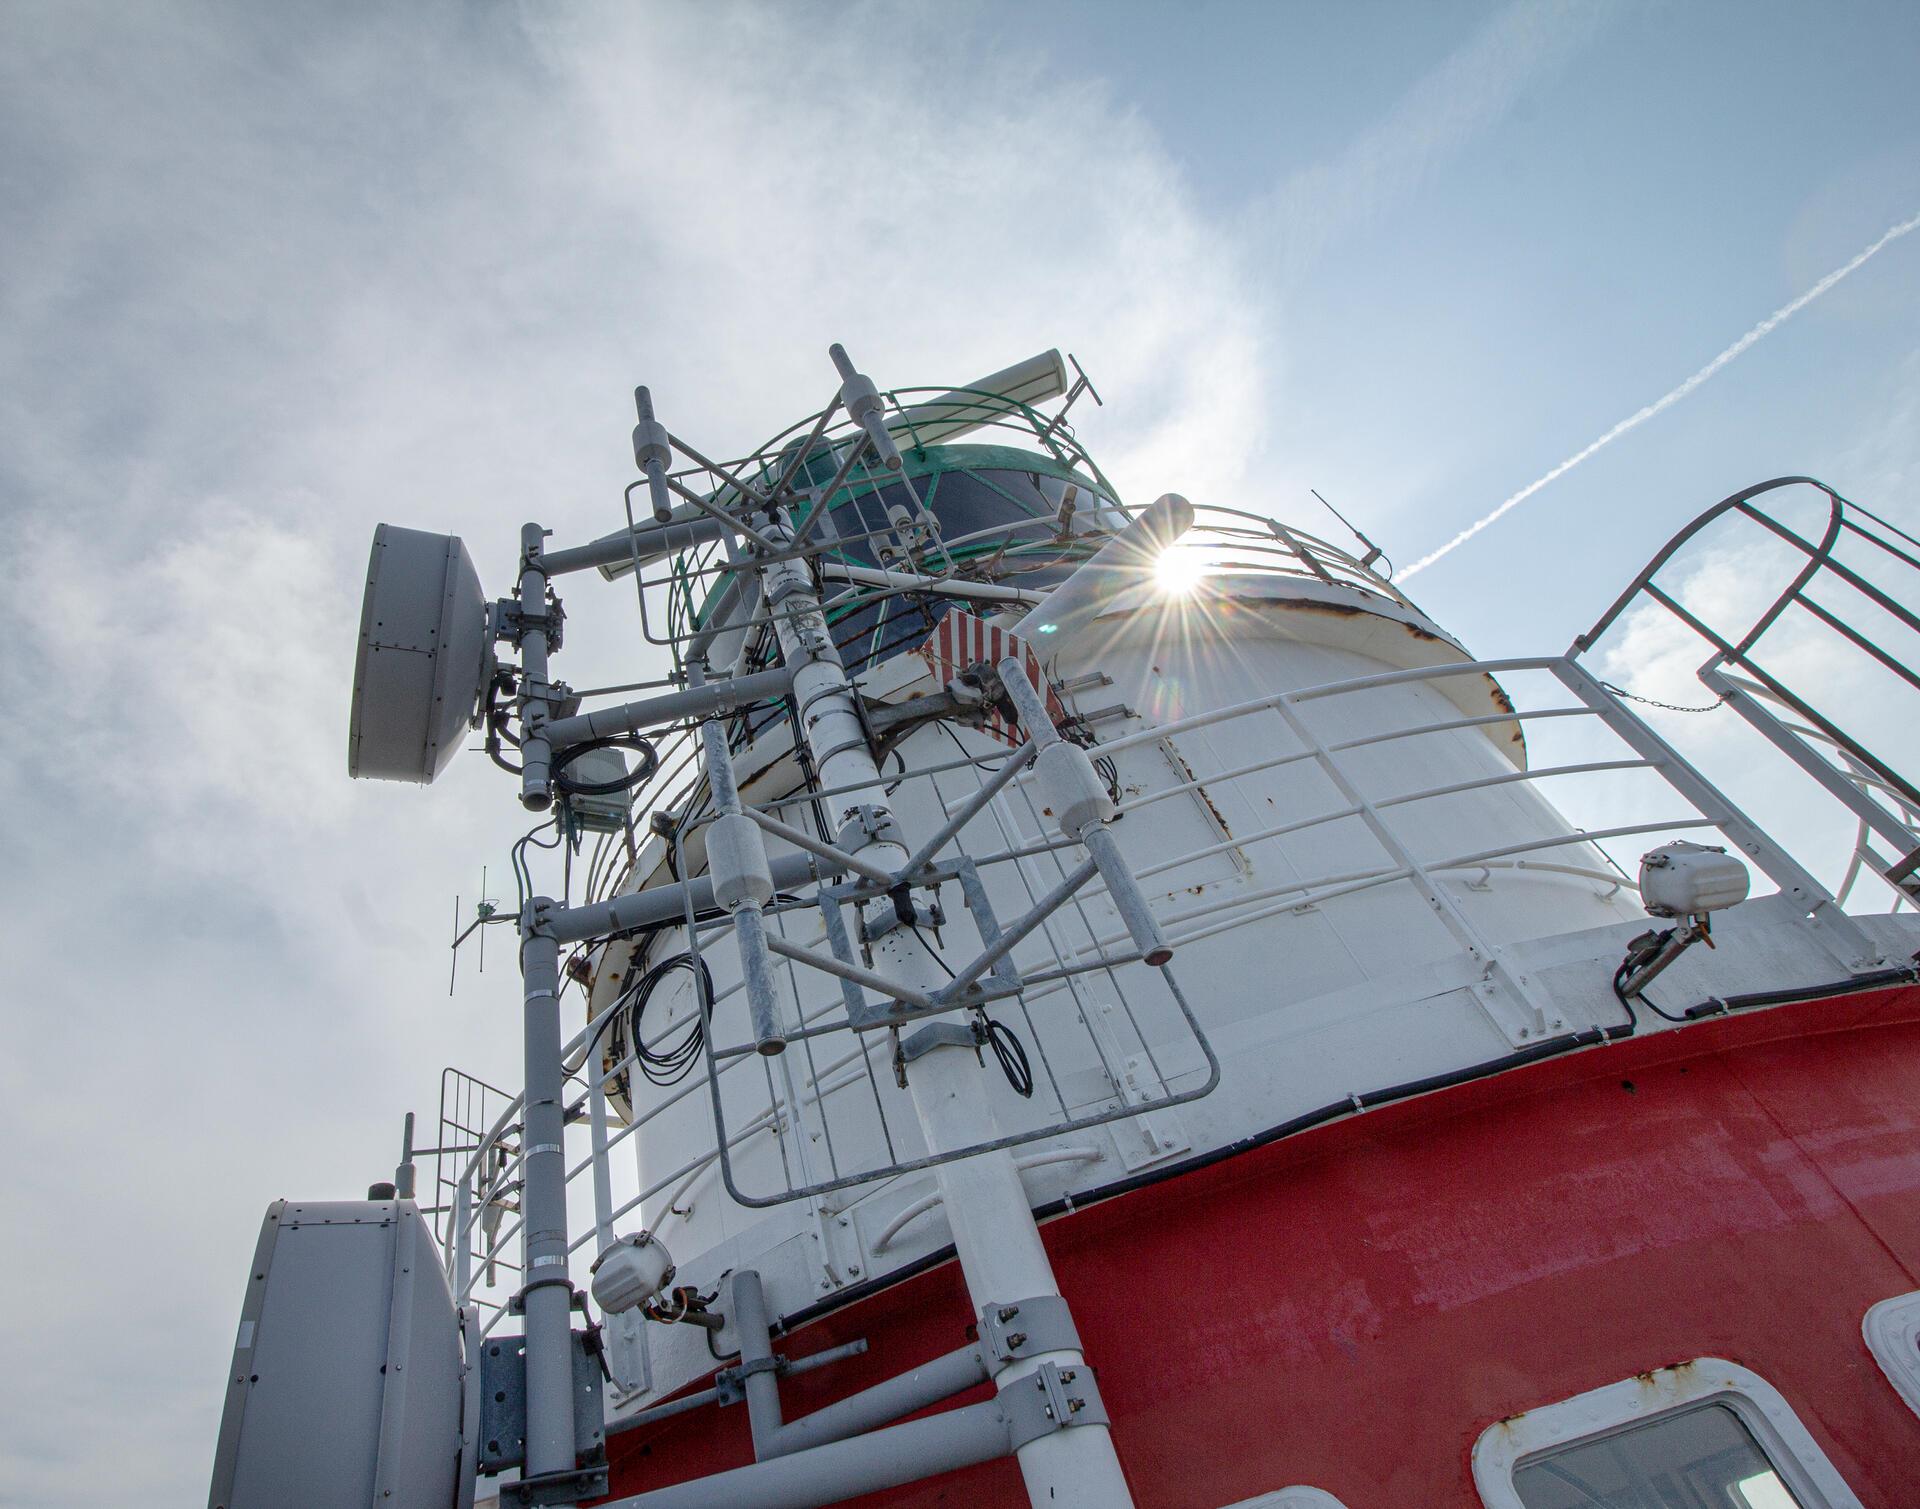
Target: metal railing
x=1833 y=597
x=833 y=1066
x=808 y=1082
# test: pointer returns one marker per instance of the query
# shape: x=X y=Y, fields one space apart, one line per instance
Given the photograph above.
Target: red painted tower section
x=1351 y=1307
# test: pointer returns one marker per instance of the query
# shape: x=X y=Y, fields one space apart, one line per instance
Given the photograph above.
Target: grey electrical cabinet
x=346 y=1390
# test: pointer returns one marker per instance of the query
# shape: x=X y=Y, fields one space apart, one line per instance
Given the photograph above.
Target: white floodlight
x=631 y=1271
x=1683 y=879
x=423 y=662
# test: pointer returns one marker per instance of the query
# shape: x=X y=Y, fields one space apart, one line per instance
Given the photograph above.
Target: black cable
x=642 y=772
x=522 y=876
x=931 y=952
x=495 y=719
x=669 y=1064
x=1012 y=1054
x=1005 y=1042
x=1632 y=961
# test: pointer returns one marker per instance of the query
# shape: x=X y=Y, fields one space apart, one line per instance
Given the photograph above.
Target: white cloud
x=1471 y=90
x=279 y=283
x=274 y=277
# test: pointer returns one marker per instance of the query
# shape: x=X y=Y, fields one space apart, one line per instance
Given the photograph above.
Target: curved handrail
x=1666 y=552
x=1735 y=647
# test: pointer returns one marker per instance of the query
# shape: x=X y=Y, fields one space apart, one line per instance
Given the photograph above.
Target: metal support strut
x=852 y=1447
x=994 y=1231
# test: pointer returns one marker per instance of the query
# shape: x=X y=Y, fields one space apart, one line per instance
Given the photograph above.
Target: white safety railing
x=802 y=1085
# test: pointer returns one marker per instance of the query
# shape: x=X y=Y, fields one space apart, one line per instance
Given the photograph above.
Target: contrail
x=1765 y=327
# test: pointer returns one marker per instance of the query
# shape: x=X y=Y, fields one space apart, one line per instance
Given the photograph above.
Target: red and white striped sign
x=960 y=641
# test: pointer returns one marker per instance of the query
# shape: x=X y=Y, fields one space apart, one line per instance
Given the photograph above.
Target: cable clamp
x=730 y=1384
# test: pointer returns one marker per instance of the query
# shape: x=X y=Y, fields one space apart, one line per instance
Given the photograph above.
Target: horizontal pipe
x=801 y=839
x=853 y=972
x=985 y=401
x=841 y=1470
x=693 y=1401
x=915 y=1389
x=906 y=1217
x=688 y=528
x=660 y=905
x=663 y=1411
x=651 y=712
x=909 y=581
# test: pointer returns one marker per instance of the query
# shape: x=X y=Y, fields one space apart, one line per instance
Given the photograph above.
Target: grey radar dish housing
x=354 y=1377
x=424 y=659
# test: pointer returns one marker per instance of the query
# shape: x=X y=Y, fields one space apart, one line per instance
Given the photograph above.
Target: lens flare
x=1177 y=572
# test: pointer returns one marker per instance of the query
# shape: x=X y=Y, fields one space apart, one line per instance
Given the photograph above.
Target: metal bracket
x=555 y=1488
x=942 y=1035
x=974 y=894
x=730 y=1384
x=509 y=621
x=1028 y=1328
x=503 y=1423
x=1052 y=1398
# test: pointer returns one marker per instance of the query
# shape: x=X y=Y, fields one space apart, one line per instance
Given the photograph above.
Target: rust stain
x=1173 y=753
x=1355 y=610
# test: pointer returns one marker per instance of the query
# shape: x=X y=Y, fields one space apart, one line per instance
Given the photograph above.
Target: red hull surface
x=1351 y=1307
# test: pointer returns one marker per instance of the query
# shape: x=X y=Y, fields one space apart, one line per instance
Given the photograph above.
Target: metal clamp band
x=1051 y=1398
x=1028 y=1328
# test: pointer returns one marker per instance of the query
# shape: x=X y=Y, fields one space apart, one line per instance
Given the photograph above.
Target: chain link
x=1672 y=707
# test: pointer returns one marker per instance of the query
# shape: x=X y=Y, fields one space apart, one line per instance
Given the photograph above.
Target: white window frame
x=1291 y=1498
x=1802 y=1465
x=1892 y=1332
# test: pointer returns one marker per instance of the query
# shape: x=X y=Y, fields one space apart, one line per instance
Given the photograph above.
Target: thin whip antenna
x=1766 y=327
x=1374 y=552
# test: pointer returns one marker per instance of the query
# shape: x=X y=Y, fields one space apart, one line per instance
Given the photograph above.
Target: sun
x=1178 y=571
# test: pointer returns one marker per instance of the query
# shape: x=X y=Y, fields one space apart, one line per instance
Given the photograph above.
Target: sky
x=275 y=274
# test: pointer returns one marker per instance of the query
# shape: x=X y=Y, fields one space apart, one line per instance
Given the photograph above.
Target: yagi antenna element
x=422 y=665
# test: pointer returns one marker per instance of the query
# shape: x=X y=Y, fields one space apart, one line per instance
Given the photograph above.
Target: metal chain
x=1672 y=707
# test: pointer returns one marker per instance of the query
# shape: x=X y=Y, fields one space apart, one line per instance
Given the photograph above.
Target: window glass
x=1013 y=516
x=1698 y=1458
x=968 y=503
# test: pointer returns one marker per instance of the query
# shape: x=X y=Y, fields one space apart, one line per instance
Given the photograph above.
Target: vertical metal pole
x=403 y=1176
x=1495 y=971
x=463 y=1237
x=548 y=1293
x=749 y=922
x=761 y=1382
x=536 y=754
x=1001 y=1254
